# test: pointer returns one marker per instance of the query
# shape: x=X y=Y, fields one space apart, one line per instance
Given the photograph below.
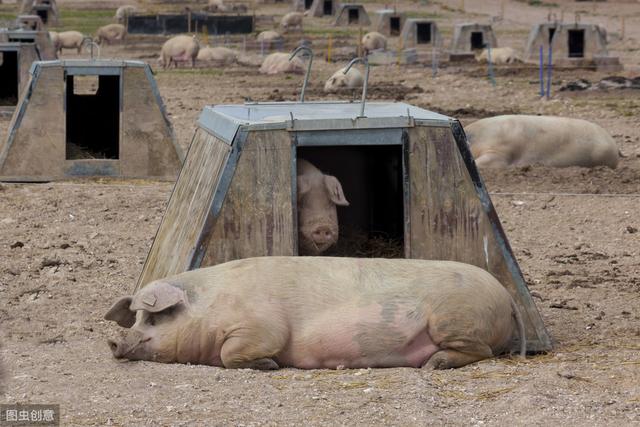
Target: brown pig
x=320 y=312
x=318 y=196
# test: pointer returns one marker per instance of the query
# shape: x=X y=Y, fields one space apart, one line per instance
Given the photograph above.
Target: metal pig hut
x=41 y=39
x=570 y=42
x=420 y=32
x=352 y=14
x=389 y=22
x=236 y=194
x=320 y=8
x=90 y=118
x=47 y=10
x=468 y=37
x=15 y=61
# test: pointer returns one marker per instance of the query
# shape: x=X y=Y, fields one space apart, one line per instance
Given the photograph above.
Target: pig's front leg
x=250 y=348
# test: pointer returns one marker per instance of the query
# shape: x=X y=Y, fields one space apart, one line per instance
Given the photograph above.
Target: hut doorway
x=43 y=14
x=371 y=177
x=423 y=32
x=477 y=40
x=327 y=7
x=354 y=16
x=394 y=25
x=92 y=117
x=9 y=78
x=307 y=4
x=552 y=32
x=576 y=43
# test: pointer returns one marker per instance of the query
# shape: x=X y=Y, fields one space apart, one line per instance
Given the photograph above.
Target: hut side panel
x=448 y=221
x=257 y=216
x=38 y=148
x=146 y=147
x=187 y=210
x=28 y=54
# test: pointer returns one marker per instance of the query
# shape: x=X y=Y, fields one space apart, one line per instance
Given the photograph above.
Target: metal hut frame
x=15 y=62
x=89 y=117
x=351 y=14
x=237 y=192
x=469 y=37
x=570 y=42
x=418 y=32
x=320 y=8
x=389 y=22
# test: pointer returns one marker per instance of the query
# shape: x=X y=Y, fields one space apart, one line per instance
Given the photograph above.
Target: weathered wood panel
x=187 y=210
x=146 y=144
x=257 y=216
x=448 y=221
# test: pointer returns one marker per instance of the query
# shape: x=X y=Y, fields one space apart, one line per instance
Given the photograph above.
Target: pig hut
x=421 y=33
x=15 y=61
x=389 y=22
x=469 y=37
x=47 y=10
x=352 y=14
x=571 y=42
x=89 y=118
x=42 y=40
x=320 y=8
x=407 y=172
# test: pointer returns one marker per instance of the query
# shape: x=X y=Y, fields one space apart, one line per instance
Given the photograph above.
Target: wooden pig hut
x=407 y=173
x=15 y=61
x=89 y=118
x=469 y=37
x=352 y=14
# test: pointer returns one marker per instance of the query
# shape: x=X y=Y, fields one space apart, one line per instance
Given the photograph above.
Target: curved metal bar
x=365 y=85
x=91 y=44
x=306 y=75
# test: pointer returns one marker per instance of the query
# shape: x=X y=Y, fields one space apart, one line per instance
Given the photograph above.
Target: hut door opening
x=423 y=32
x=394 y=25
x=307 y=4
x=43 y=14
x=576 y=43
x=327 y=7
x=354 y=16
x=371 y=177
x=552 y=32
x=92 y=117
x=477 y=41
x=9 y=78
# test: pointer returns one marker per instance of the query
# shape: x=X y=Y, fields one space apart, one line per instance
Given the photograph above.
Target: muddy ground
x=68 y=249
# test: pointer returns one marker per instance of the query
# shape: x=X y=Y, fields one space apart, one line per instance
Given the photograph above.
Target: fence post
x=490 y=65
x=329 y=43
x=549 y=67
x=541 y=71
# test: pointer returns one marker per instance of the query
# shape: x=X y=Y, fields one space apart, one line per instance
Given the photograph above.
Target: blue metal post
x=491 y=78
x=541 y=72
x=549 y=67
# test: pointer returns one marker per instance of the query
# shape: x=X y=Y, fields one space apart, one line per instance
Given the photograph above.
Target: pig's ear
x=157 y=297
x=303 y=186
x=121 y=313
x=335 y=190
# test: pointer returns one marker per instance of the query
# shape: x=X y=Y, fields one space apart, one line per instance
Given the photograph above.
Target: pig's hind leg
x=252 y=347
x=450 y=358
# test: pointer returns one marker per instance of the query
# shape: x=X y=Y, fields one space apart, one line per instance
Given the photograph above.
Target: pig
x=220 y=55
x=291 y=20
x=123 y=12
x=277 y=62
x=55 y=39
x=499 y=55
x=110 y=33
x=269 y=38
x=318 y=196
x=339 y=80
x=70 y=40
x=179 y=48
x=373 y=41
x=320 y=313
x=520 y=140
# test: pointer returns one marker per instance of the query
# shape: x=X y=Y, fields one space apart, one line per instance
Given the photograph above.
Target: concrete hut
x=320 y=8
x=389 y=22
x=571 y=43
x=469 y=37
x=15 y=61
x=81 y=118
x=41 y=39
x=236 y=196
x=47 y=10
x=421 y=33
x=352 y=14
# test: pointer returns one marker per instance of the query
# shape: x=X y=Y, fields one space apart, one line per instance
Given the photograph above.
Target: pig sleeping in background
x=318 y=196
x=320 y=312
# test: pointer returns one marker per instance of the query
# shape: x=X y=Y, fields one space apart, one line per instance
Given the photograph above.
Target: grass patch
x=87 y=21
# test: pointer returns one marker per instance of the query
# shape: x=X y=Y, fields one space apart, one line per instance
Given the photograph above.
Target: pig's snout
x=323 y=236
x=116 y=349
x=131 y=349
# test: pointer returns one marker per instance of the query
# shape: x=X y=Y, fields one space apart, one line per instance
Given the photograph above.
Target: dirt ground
x=69 y=249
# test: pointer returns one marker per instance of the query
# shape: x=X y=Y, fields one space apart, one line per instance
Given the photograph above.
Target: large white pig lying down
x=373 y=41
x=320 y=312
x=181 y=48
x=339 y=80
x=499 y=55
x=69 y=40
x=277 y=62
x=269 y=38
x=218 y=55
x=123 y=11
x=110 y=33
x=292 y=20
x=520 y=140
x=318 y=196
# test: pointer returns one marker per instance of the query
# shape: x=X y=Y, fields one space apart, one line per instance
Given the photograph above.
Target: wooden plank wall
x=187 y=209
x=257 y=216
x=447 y=220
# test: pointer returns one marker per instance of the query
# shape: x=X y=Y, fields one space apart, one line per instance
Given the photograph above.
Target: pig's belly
x=360 y=346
